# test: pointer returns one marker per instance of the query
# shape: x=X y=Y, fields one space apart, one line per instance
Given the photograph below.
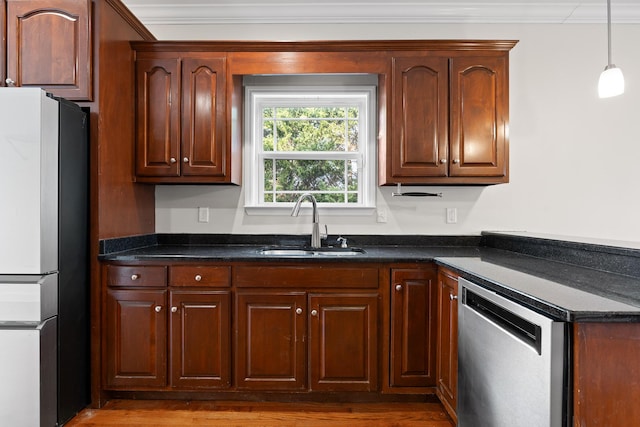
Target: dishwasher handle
x=520 y=328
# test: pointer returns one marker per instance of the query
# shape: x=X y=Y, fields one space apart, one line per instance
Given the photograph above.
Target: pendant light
x=611 y=81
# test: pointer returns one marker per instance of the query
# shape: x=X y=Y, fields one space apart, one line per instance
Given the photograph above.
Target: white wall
x=573 y=157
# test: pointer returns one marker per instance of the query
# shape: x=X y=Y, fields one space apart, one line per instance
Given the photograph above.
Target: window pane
x=268 y=175
x=310 y=175
x=352 y=175
x=311 y=129
x=267 y=135
x=310 y=135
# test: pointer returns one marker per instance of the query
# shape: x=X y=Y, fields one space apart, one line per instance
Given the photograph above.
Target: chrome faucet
x=316 y=237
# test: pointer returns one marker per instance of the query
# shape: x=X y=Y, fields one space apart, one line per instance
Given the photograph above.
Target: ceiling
x=177 y=12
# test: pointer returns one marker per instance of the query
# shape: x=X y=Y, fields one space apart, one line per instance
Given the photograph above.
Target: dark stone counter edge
x=615 y=259
x=541 y=306
x=619 y=260
x=607 y=259
x=113 y=246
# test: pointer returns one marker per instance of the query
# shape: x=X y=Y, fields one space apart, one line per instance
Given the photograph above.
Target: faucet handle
x=342 y=241
x=323 y=236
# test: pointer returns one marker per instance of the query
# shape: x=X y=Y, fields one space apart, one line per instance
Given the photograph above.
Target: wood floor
x=131 y=413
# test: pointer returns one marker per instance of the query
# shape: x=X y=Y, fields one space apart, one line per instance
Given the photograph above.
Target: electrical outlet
x=381 y=215
x=452 y=215
x=203 y=214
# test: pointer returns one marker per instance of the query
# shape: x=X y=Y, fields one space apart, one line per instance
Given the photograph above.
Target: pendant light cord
x=608 y=32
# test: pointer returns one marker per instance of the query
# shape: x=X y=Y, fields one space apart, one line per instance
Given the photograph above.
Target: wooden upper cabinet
x=479 y=117
x=449 y=119
x=49 y=45
x=158 y=117
x=420 y=117
x=203 y=117
x=181 y=119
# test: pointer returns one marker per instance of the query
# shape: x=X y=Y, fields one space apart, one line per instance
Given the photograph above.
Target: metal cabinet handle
x=198 y=277
x=185 y=160
x=456 y=161
x=173 y=160
x=398 y=287
x=443 y=161
x=314 y=312
x=158 y=308
x=453 y=297
x=174 y=309
x=135 y=276
x=10 y=82
x=298 y=310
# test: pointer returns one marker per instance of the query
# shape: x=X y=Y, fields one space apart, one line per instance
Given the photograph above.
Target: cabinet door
x=270 y=333
x=200 y=339
x=158 y=117
x=420 y=118
x=413 y=327
x=343 y=342
x=447 y=366
x=136 y=353
x=479 y=109
x=49 y=46
x=203 y=117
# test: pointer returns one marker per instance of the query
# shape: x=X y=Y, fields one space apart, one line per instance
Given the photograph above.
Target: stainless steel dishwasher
x=511 y=363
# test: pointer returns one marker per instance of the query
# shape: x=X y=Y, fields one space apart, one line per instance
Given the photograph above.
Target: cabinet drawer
x=210 y=276
x=138 y=275
x=299 y=276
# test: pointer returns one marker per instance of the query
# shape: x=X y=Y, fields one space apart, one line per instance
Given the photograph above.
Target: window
x=310 y=135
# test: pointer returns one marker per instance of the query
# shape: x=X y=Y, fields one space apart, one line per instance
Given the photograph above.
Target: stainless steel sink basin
x=311 y=252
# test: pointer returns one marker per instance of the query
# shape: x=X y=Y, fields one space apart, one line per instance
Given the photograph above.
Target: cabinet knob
x=135 y=276
x=158 y=308
x=185 y=160
x=456 y=161
x=174 y=309
x=173 y=160
x=298 y=310
x=453 y=297
x=398 y=287
x=314 y=312
x=198 y=277
x=443 y=161
x=10 y=82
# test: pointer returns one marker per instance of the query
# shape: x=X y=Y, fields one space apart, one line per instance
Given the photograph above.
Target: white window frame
x=260 y=96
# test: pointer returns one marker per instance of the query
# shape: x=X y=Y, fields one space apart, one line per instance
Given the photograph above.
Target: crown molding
x=357 y=12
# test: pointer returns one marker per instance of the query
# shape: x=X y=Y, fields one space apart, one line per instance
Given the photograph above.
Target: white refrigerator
x=44 y=291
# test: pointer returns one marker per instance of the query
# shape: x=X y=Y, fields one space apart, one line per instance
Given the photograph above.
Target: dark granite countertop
x=566 y=280
x=563 y=291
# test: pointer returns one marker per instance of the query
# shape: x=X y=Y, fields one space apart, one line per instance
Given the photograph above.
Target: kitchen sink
x=310 y=252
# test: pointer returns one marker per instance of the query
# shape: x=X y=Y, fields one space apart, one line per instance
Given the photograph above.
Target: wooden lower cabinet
x=136 y=322
x=200 y=345
x=447 y=359
x=271 y=348
x=138 y=347
x=291 y=340
x=413 y=327
x=343 y=342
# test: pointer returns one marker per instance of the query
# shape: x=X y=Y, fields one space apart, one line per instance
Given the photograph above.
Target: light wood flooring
x=157 y=413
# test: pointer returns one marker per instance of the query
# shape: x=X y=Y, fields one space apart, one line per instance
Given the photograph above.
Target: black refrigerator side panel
x=73 y=293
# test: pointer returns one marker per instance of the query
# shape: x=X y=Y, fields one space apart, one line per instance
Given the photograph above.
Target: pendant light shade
x=611 y=81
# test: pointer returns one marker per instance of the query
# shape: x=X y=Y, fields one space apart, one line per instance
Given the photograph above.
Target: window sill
x=323 y=211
